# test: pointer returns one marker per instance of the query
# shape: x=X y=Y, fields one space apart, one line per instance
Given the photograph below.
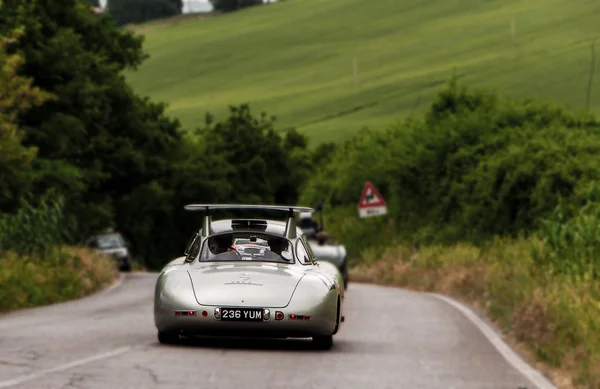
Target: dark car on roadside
x=115 y=245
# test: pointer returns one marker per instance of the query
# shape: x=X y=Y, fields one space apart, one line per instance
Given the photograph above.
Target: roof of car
x=274 y=227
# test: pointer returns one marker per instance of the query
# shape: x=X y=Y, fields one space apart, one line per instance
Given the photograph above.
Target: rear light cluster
x=293 y=316
x=186 y=313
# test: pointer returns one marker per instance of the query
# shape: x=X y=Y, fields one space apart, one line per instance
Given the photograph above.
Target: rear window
x=245 y=246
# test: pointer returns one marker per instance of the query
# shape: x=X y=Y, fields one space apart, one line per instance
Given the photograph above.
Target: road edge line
x=537 y=378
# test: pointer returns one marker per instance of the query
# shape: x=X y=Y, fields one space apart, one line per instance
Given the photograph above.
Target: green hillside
x=295 y=59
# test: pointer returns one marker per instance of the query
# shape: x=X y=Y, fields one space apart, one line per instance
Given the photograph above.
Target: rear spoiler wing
x=290 y=228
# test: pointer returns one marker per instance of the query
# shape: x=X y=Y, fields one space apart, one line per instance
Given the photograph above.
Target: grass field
x=295 y=59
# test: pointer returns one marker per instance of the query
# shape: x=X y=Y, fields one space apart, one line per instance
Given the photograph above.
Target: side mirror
x=286 y=255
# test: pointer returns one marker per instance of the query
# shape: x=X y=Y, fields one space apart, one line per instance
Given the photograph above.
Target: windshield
x=112 y=241
x=245 y=246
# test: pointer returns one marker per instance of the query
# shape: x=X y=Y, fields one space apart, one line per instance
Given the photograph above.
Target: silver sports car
x=249 y=277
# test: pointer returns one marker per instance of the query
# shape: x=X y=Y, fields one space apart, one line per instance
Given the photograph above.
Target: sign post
x=371 y=202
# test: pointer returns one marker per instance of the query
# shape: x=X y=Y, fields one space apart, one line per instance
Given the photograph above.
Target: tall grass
x=35 y=227
x=572 y=245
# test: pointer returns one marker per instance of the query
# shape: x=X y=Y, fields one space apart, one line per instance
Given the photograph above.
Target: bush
x=473 y=167
x=28 y=281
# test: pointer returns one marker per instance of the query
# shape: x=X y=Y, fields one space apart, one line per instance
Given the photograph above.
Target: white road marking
x=513 y=358
x=79 y=362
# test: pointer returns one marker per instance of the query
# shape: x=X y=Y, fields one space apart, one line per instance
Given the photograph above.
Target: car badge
x=243 y=279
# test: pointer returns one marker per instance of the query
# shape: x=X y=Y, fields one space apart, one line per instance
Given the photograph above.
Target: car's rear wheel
x=322 y=342
x=168 y=337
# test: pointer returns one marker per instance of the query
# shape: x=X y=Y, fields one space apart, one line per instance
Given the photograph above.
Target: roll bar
x=290 y=228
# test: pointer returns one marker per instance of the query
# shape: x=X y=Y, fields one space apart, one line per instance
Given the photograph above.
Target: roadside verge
x=66 y=274
x=550 y=320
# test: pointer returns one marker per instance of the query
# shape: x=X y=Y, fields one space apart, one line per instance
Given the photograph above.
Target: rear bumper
x=322 y=322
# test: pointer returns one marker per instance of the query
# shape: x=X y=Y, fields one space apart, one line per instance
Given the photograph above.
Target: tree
x=263 y=165
x=118 y=159
x=233 y=5
x=110 y=150
x=93 y=3
x=139 y=11
x=17 y=96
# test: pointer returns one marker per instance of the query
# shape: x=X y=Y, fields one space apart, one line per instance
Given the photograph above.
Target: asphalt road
x=391 y=339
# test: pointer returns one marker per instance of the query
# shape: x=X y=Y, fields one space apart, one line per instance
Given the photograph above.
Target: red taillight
x=278 y=315
x=204 y=313
x=293 y=316
x=185 y=313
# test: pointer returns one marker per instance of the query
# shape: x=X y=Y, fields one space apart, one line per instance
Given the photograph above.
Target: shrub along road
x=391 y=339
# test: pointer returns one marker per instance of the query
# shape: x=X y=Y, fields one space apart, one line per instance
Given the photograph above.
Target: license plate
x=241 y=314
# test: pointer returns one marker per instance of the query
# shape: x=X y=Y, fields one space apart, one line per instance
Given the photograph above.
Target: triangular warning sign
x=370 y=197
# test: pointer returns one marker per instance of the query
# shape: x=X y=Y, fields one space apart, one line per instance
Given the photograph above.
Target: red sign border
x=361 y=203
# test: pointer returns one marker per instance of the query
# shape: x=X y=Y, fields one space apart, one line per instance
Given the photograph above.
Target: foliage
x=217 y=163
x=98 y=143
x=17 y=96
x=263 y=165
x=63 y=275
x=233 y=5
x=93 y=3
x=475 y=166
x=139 y=11
x=572 y=242
x=34 y=229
